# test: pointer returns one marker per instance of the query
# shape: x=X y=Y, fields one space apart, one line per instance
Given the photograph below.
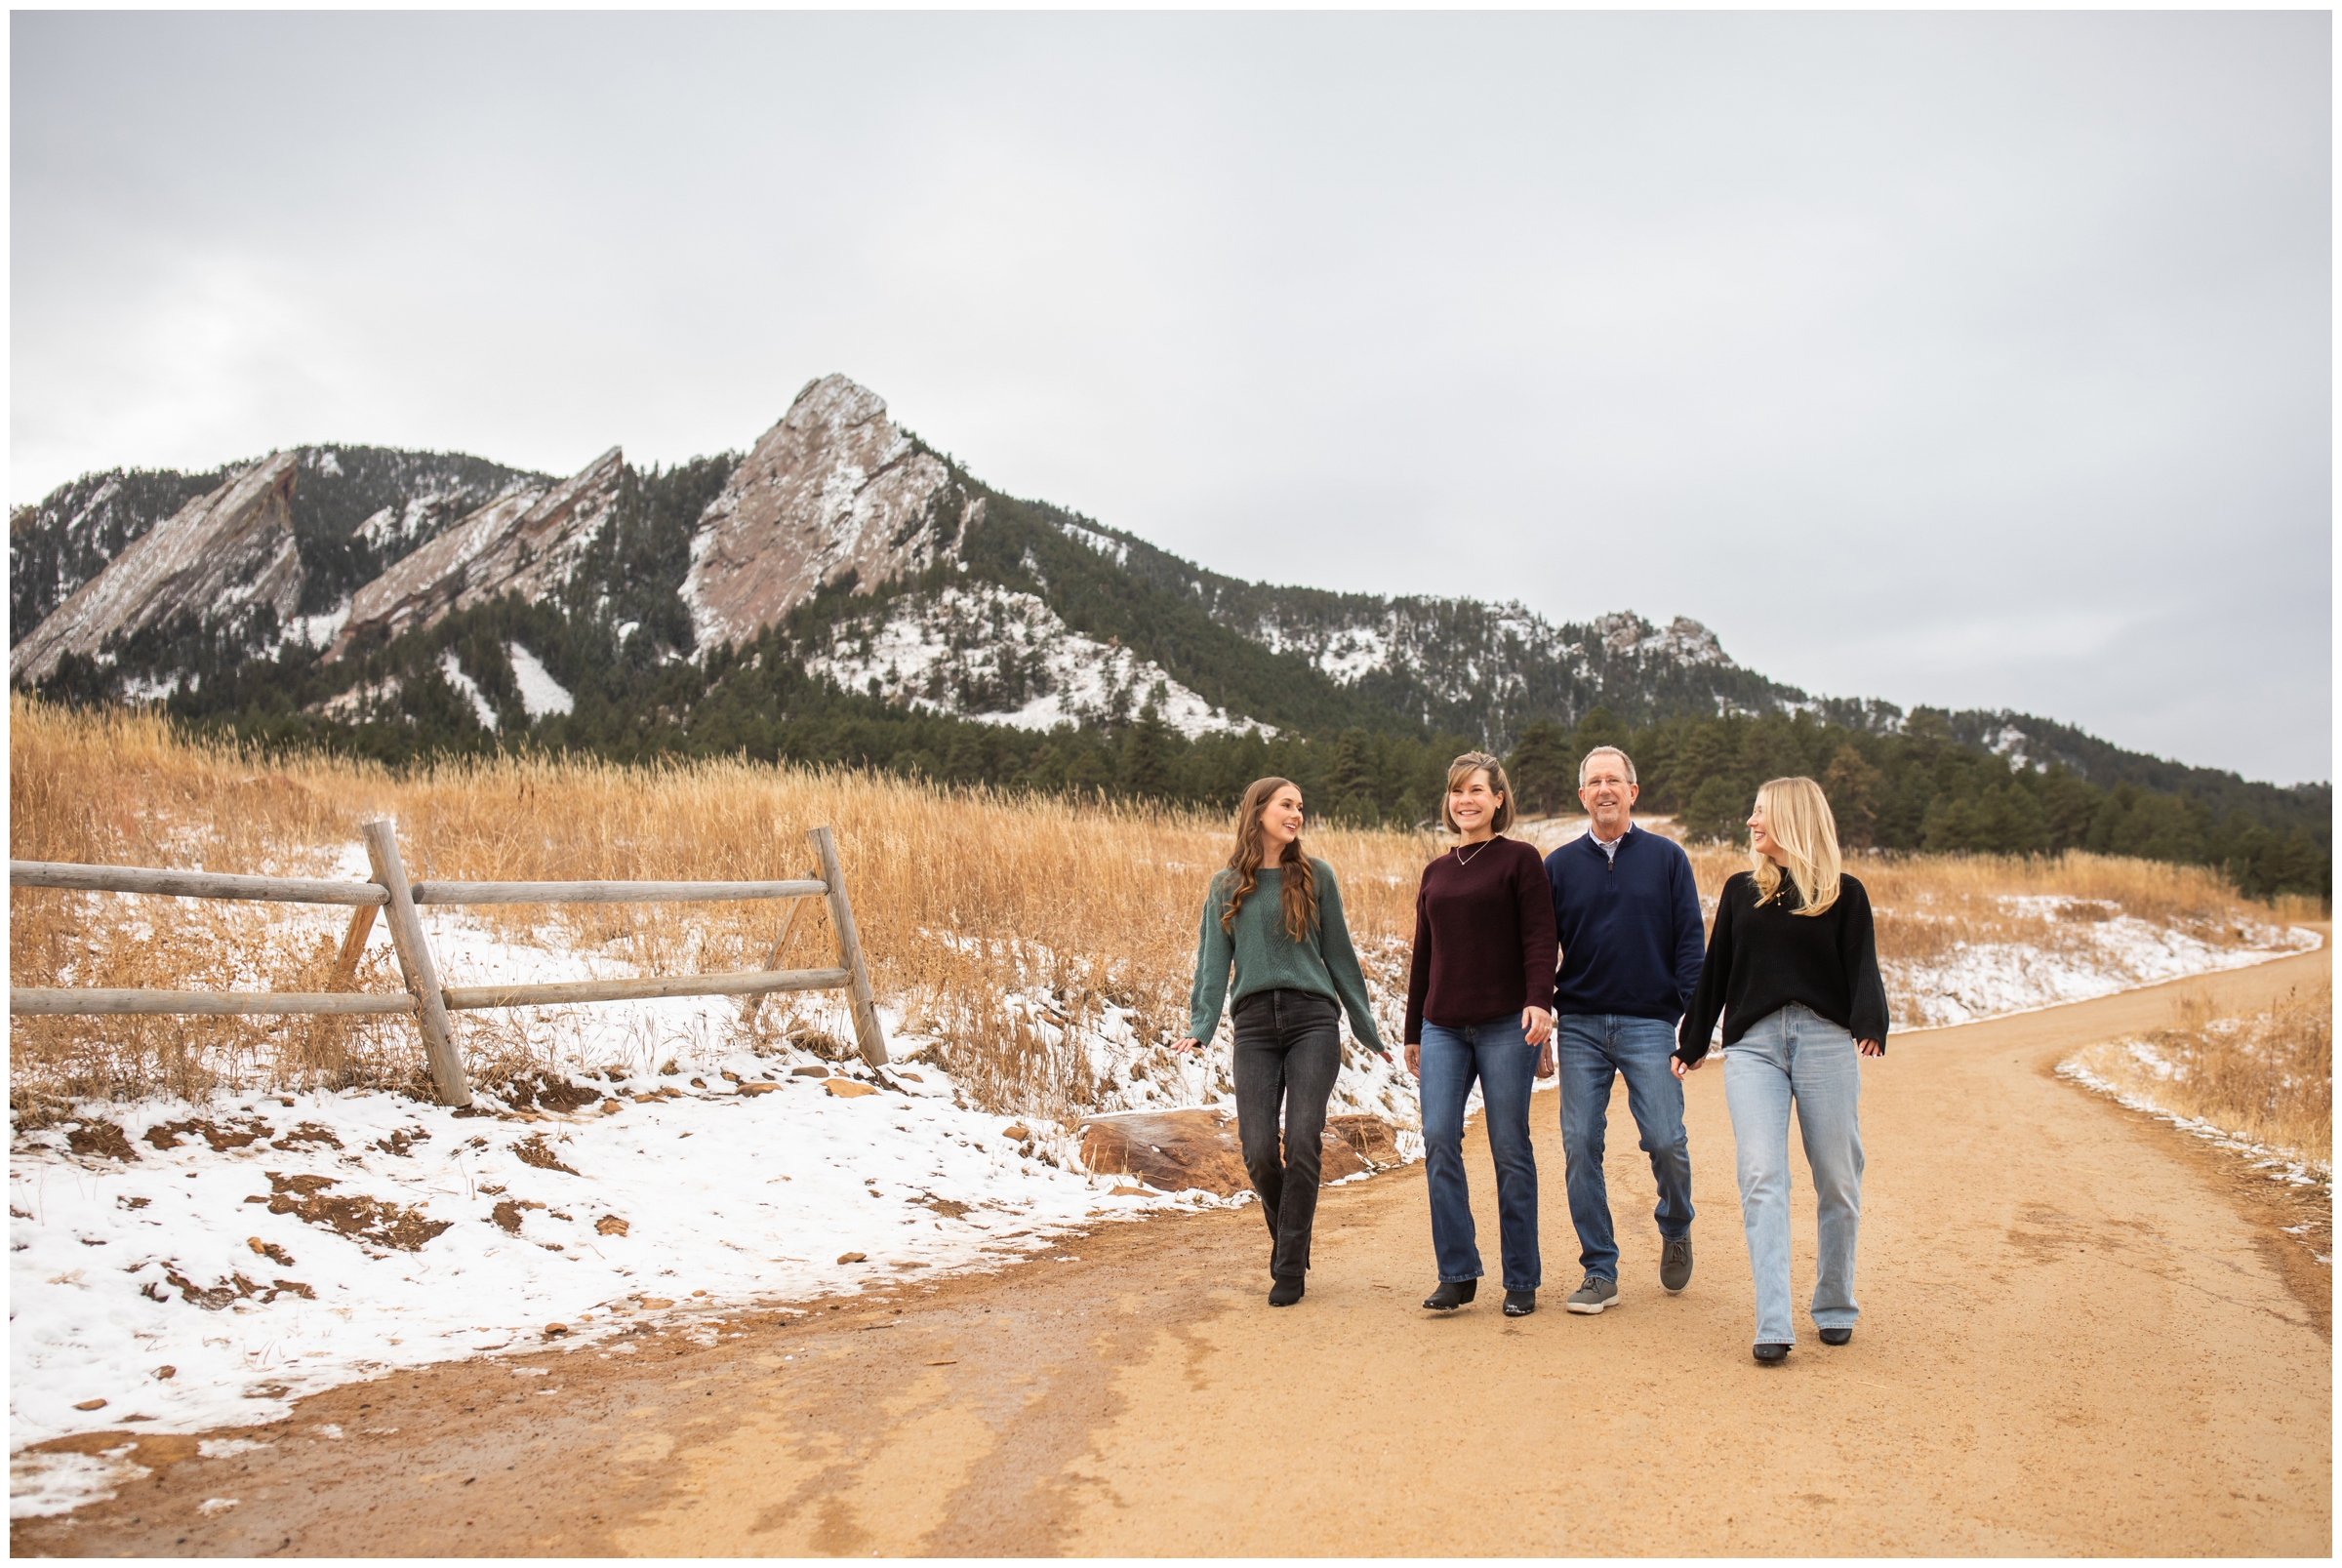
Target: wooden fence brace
x=52 y=1002
x=755 y=999
x=415 y=962
x=353 y=946
x=864 y=1005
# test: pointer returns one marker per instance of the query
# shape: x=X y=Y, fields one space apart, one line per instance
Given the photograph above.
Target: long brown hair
x=1299 y=882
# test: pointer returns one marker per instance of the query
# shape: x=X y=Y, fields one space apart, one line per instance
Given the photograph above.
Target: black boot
x=1286 y=1291
x=1451 y=1294
x=1520 y=1303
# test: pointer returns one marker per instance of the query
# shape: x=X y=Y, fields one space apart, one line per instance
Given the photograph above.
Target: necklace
x=1463 y=859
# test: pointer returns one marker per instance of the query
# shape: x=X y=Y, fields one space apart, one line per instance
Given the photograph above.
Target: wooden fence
x=425 y=999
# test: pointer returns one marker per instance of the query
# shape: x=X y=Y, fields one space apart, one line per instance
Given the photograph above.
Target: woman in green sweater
x=1275 y=915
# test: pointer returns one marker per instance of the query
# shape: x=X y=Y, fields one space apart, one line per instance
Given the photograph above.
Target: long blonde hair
x=1797 y=820
x=1300 y=891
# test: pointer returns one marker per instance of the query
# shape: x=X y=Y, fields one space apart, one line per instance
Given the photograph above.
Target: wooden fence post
x=867 y=1033
x=415 y=963
x=755 y=999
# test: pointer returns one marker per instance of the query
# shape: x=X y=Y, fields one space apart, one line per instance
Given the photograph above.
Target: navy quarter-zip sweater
x=1630 y=927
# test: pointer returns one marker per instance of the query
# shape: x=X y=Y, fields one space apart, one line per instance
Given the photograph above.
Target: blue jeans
x=1593 y=1049
x=1498 y=1055
x=1798 y=1055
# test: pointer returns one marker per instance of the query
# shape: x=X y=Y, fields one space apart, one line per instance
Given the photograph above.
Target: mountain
x=529 y=541
x=843 y=590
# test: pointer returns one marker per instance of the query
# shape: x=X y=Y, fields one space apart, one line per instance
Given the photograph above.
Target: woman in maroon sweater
x=1480 y=1007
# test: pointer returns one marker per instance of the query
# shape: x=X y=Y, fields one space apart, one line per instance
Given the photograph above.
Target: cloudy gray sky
x=1980 y=360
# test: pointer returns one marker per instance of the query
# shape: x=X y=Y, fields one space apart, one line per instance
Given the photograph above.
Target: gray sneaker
x=1675 y=1263
x=1593 y=1296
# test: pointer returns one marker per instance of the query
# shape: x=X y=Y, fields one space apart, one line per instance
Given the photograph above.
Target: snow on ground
x=539 y=693
x=290 y=1243
x=2277 y=1164
x=724 y=1176
x=1988 y=980
x=471 y=1233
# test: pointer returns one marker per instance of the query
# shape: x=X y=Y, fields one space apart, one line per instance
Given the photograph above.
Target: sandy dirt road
x=2082 y=1333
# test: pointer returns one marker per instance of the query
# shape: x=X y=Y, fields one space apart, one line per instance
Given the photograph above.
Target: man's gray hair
x=1608 y=751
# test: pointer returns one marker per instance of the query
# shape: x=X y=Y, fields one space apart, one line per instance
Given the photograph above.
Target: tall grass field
x=965 y=901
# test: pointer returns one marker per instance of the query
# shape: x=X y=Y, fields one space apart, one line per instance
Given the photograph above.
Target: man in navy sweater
x=1629 y=918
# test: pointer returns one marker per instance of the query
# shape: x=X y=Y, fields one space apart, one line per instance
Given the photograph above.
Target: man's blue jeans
x=1498 y=1055
x=1798 y=1055
x=1594 y=1048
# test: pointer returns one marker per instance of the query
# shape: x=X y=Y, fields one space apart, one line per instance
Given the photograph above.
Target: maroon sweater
x=1484 y=942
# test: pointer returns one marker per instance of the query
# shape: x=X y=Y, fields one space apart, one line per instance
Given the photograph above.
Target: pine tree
x=1544 y=770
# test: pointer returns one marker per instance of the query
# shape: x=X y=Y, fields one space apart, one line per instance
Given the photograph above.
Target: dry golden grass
x=962 y=898
x=968 y=902
x=2268 y=1078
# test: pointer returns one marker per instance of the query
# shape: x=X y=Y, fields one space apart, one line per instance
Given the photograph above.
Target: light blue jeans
x=1798 y=1055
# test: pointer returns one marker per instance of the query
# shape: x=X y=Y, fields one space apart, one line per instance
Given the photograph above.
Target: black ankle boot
x=1451 y=1294
x=1286 y=1291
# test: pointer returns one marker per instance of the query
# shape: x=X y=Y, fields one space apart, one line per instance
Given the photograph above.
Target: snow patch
x=467 y=688
x=987 y=653
x=539 y=693
x=1992 y=979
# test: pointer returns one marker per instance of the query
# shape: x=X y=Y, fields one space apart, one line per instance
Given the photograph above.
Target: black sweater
x=1760 y=958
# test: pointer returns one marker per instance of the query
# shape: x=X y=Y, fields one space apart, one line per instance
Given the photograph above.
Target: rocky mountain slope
x=845 y=591
x=972 y=602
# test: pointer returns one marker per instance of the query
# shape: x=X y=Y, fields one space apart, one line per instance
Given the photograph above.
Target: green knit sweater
x=1266 y=958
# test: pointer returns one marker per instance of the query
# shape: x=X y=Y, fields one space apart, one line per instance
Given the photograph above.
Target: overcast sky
x=1977 y=360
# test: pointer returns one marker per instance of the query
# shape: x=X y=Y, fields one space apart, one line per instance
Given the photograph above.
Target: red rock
x=836 y=486
x=1174 y=1150
x=1171 y=1150
x=843 y=1088
x=528 y=542
x=219 y=555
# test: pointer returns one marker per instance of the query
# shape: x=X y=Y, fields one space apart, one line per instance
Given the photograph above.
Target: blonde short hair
x=1798 y=819
x=1459 y=773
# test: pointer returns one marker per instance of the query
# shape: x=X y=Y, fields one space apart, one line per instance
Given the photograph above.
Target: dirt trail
x=2082 y=1333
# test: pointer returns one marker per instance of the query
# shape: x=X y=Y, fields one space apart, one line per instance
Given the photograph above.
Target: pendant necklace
x=1475 y=851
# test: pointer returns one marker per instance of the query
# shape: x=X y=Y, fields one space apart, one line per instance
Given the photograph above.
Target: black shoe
x=1520 y=1303
x=1451 y=1294
x=1836 y=1335
x=1771 y=1355
x=1286 y=1291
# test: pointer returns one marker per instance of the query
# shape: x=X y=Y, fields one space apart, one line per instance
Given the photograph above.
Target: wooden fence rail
x=426 y=999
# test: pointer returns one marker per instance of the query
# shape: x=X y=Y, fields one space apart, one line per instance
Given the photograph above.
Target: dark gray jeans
x=1289 y=1053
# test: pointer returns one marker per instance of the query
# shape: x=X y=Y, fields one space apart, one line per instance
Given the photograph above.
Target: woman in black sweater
x=1792 y=970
